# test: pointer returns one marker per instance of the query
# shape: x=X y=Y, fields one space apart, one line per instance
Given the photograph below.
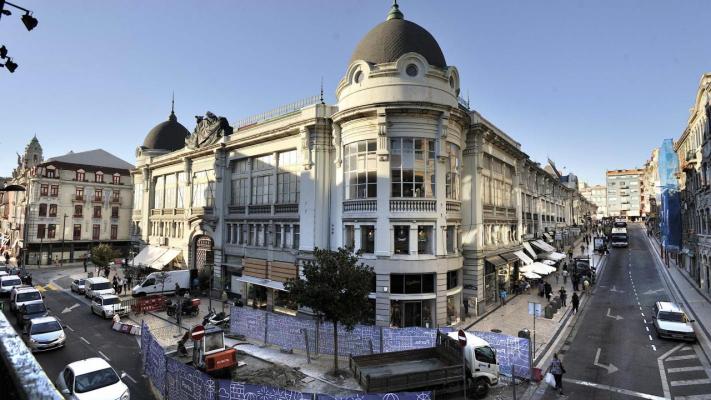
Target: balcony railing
x=361 y=205
x=260 y=209
x=286 y=208
x=97 y=200
x=78 y=197
x=237 y=209
x=413 y=205
x=454 y=206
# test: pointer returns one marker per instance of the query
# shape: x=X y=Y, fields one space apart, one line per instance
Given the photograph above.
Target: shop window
x=42 y=210
x=402 y=239
x=367 y=239
x=452 y=279
x=425 y=239
x=412 y=283
x=349 y=237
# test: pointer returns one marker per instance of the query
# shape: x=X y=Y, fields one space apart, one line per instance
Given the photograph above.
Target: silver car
x=108 y=305
x=78 y=286
x=44 y=334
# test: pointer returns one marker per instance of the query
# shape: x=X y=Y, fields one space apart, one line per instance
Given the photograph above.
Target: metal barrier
x=145 y=304
x=22 y=377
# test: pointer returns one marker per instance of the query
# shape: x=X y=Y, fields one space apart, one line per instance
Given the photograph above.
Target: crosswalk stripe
x=694 y=397
x=690 y=382
x=679 y=358
x=685 y=369
x=686 y=348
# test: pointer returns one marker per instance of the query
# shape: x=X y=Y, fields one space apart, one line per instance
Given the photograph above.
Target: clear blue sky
x=595 y=85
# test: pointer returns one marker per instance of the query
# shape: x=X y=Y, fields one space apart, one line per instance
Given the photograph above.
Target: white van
x=153 y=284
x=8 y=282
x=21 y=295
x=97 y=286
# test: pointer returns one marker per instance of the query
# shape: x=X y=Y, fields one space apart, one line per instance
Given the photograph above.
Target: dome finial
x=172 y=116
x=395 y=12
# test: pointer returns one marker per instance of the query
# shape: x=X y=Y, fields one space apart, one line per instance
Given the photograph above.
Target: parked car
x=670 y=321
x=7 y=283
x=22 y=295
x=30 y=311
x=44 y=334
x=108 y=305
x=92 y=378
x=78 y=286
x=153 y=284
x=97 y=286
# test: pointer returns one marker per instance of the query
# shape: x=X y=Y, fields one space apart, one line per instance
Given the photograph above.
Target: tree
x=102 y=255
x=336 y=286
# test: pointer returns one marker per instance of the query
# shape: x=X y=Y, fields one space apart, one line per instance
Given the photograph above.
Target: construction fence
x=303 y=334
x=174 y=380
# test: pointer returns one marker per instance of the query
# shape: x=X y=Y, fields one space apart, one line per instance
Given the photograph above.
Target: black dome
x=169 y=135
x=395 y=37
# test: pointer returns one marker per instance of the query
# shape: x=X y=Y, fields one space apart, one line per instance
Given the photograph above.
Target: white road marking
x=610 y=368
x=642 y=314
x=85 y=341
x=614 y=389
x=650 y=337
x=685 y=369
x=654 y=347
x=694 y=397
x=662 y=373
x=129 y=377
x=679 y=358
x=686 y=348
x=647 y=328
x=104 y=355
x=690 y=382
x=645 y=321
x=70 y=328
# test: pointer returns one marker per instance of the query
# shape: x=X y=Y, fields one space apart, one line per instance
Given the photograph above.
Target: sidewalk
x=513 y=316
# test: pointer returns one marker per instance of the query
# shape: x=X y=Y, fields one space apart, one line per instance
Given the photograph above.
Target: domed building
x=431 y=193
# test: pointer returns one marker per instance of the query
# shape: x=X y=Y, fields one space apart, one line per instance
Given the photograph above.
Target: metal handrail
x=277 y=112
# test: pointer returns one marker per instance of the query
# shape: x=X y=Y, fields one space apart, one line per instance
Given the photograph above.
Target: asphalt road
x=88 y=336
x=613 y=352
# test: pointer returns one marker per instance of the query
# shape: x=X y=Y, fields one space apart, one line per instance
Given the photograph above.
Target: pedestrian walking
x=557 y=277
x=557 y=370
x=125 y=285
x=548 y=290
x=119 y=287
x=466 y=307
x=129 y=280
x=586 y=286
x=565 y=276
x=582 y=249
x=541 y=289
x=7 y=258
x=85 y=262
x=563 y=296
x=106 y=272
x=575 y=301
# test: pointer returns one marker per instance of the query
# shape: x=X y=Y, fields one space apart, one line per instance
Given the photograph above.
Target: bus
x=618 y=237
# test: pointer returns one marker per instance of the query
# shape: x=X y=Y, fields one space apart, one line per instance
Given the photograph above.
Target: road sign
x=197 y=333
x=462 y=338
x=534 y=309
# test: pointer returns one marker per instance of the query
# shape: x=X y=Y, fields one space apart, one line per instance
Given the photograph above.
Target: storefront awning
x=165 y=259
x=510 y=257
x=555 y=256
x=148 y=255
x=523 y=257
x=496 y=261
x=543 y=246
x=261 y=282
x=529 y=250
x=548 y=237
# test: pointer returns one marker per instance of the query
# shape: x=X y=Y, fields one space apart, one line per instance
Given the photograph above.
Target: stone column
x=382 y=299
x=441 y=302
x=383 y=232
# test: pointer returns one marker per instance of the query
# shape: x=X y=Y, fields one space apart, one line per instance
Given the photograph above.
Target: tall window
x=159 y=193
x=349 y=238
x=50 y=173
x=402 y=239
x=171 y=184
x=204 y=189
x=261 y=189
x=51 y=231
x=79 y=193
x=116 y=179
x=425 y=239
x=42 y=210
x=78 y=210
x=287 y=178
x=297 y=237
x=97 y=212
x=44 y=190
x=412 y=167
x=277 y=235
x=454 y=162
x=114 y=212
x=360 y=169
x=98 y=194
x=98 y=177
x=116 y=197
x=95 y=231
x=240 y=183
x=138 y=195
x=367 y=239
x=451 y=239
x=54 y=190
x=76 y=235
x=41 y=231
x=114 y=232
x=80 y=175
x=52 y=210
x=180 y=192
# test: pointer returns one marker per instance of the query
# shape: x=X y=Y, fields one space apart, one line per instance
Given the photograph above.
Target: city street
x=613 y=352
x=87 y=335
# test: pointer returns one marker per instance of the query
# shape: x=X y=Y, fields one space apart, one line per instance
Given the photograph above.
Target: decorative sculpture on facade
x=209 y=130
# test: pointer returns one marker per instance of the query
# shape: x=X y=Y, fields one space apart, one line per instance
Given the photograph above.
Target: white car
x=21 y=295
x=8 y=282
x=670 y=321
x=91 y=379
x=97 y=286
x=107 y=306
x=78 y=285
x=44 y=334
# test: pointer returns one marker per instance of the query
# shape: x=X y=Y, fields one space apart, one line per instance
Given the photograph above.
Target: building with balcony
x=399 y=168
x=598 y=196
x=694 y=151
x=624 y=193
x=71 y=203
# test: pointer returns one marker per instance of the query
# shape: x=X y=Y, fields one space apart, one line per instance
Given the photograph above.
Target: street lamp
x=28 y=20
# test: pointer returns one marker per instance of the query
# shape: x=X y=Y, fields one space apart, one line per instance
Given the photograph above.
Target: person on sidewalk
x=575 y=301
x=565 y=275
x=563 y=296
x=125 y=284
x=557 y=370
x=548 y=290
x=541 y=288
x=586 y=286
x=129 y=280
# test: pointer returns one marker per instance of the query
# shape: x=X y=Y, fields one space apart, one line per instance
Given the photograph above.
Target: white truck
x=436 y=368
x=154 y=284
